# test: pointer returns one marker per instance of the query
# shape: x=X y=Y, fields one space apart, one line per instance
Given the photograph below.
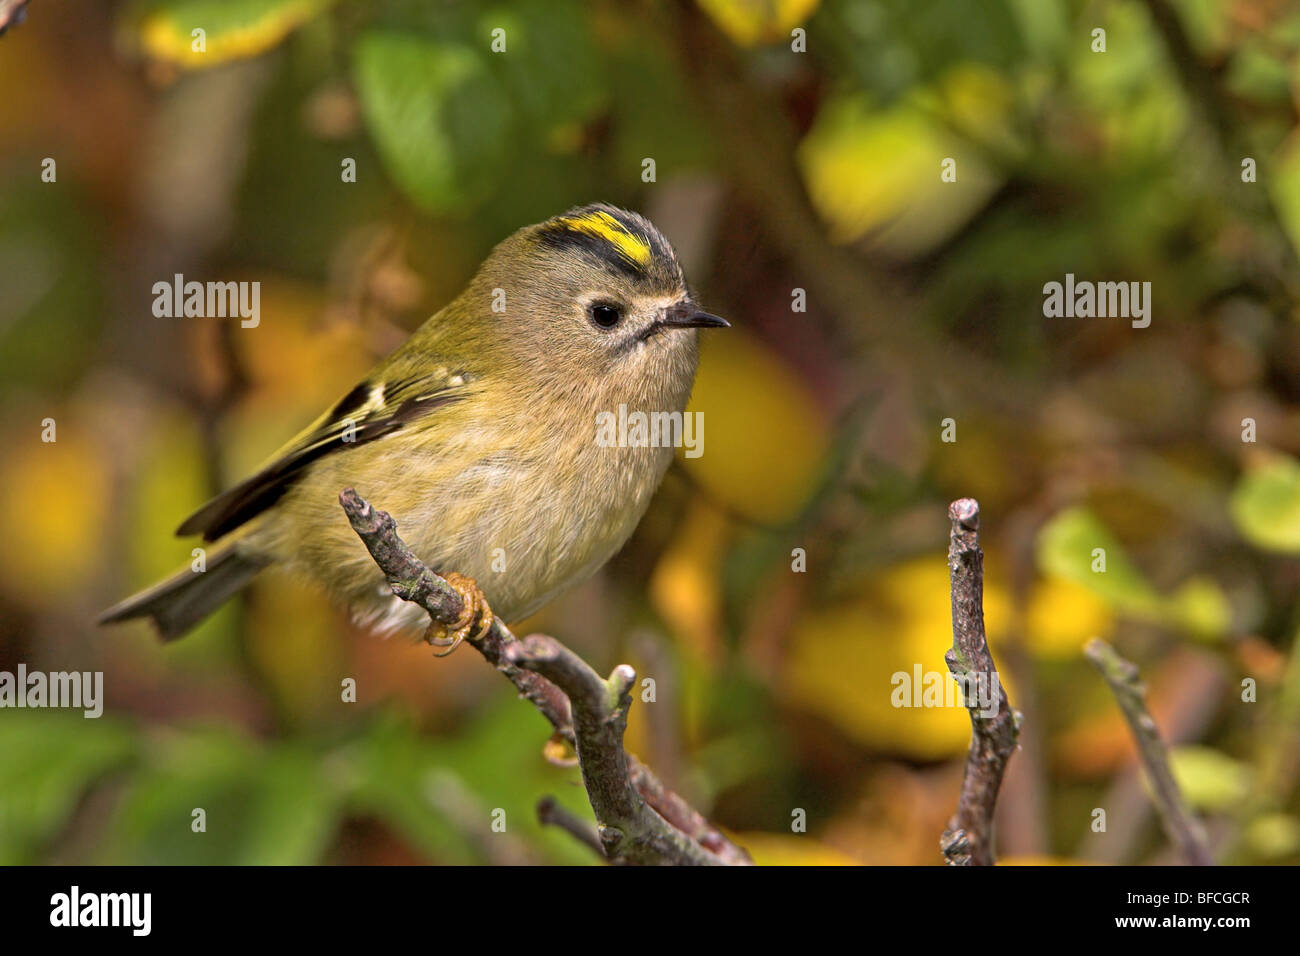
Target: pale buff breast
x=526 y=525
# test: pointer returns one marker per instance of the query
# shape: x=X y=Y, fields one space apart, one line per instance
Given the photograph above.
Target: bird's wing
x=366 y=413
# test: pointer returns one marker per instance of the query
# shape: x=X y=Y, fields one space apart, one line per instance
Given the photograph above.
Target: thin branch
x=968 y=840
x=1193 y=703
x=1130 y=694
x=550 y=813
x=639 y=819
x=630 y=831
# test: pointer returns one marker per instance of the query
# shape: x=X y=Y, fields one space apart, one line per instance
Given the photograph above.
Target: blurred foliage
x=1266 y=504
x=1075 y=547
x=783 y=581
x=233 y=30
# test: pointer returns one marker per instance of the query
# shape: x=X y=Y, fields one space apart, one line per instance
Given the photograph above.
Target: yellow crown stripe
x=605 y=226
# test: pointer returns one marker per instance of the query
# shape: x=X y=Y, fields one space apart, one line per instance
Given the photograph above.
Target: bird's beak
x=687 y=315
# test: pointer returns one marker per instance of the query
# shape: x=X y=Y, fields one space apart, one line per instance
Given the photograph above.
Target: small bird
x=478 y=434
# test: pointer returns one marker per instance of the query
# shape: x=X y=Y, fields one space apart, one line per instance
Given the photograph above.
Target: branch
x=1130 y=694
x=629 y=830
x=550 y=813
x=968 y=840
x=639 y=820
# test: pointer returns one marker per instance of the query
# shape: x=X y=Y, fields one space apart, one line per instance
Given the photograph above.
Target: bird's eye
x=605 y=315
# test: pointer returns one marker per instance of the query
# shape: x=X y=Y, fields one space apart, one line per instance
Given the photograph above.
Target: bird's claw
x=475 y=617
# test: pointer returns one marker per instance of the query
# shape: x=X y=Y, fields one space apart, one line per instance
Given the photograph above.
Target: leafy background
x=775 y=171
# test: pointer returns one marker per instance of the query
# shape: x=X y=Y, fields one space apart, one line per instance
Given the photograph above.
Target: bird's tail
x=180 y=602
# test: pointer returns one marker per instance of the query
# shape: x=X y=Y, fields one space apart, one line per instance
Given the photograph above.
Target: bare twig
x=630 y=830
x=968 y=841
x=550 y=813
x=1130 y=694
x=639 y=819
x=1193 y=703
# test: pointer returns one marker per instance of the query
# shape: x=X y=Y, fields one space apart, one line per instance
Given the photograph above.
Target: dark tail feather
x=179 y=603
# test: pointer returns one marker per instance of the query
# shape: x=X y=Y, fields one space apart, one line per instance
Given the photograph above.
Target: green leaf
x=439 y=118
x=876 y=172
x=48 y=759
x=1266 y=505
x=887 y=46
x=1209 y=779
x=261 y=806
x=393 y=773
x=1200 y=607
x=552 y=68
x=386 y=772
x=1273 y=835
x=295 y=812
x=1066 y=547
x=51 y=312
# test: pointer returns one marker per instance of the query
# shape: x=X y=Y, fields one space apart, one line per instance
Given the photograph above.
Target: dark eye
x=605 y=315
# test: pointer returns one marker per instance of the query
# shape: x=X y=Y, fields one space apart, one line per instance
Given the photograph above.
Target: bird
x=478 y=434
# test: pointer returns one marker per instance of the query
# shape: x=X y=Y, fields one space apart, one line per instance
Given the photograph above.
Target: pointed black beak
x=687 y=315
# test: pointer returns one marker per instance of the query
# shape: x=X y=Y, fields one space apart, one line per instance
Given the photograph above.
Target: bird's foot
x=475 y=617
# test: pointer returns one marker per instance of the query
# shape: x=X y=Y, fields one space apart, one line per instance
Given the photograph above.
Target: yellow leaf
x=53 y=513
x=168 y=482
x=294 y=644
x=1274 y=835
x=879 y=171
x=857 y=663
x=684 y=585
x=749 y=22
x=231 y=30
x=764 y=439
x=1062 y=616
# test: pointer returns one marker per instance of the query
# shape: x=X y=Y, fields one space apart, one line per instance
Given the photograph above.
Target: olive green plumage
x=478 y=434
